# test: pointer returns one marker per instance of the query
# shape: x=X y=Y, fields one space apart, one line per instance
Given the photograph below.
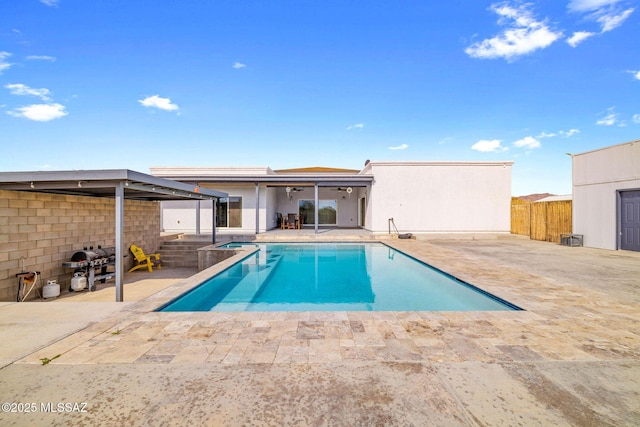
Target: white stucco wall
x=440 y=197
x=597 y=177
x=271 y=196
x=181 y=216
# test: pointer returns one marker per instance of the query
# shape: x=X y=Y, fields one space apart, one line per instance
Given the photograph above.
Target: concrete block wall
x=47 y=229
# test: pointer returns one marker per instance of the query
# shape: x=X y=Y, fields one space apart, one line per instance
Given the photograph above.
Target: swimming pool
x=333 y=277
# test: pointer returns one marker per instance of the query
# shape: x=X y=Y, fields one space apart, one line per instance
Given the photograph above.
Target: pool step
x=257 y=275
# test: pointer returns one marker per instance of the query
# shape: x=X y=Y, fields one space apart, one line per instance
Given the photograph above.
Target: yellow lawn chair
x=143 y=260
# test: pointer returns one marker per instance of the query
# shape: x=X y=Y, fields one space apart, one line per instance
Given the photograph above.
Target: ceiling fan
x=290 y=190
x=343 y=189
x=347 y=190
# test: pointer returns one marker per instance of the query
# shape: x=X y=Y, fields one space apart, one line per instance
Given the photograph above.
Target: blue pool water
x=333 y=277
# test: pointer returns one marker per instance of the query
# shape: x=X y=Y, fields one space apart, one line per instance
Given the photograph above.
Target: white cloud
x=611 y=21
x=607 y=13
x=488 y=146
x=636 y=74
x=636 y=118
x=589 y=5
x=20 y=89
x=527 y=142
x=238 y=65
x=4 y=65
x=51 y=3
x=569 y=132
x=399 y=147
x=356 y=126
x=41 y=58
x=578 y=37
x=40 y=112
x=524 y=35
x=157 y=102
x=445 y=140
x=546 y=135
x=565 y=133
x=610 y=119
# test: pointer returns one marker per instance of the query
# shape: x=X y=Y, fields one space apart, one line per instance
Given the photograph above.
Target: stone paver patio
x=571 y=358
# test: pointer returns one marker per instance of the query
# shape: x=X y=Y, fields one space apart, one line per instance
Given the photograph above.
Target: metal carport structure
x=119 y=184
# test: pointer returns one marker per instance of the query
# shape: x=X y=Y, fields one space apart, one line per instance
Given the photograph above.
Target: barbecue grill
x=93 y=264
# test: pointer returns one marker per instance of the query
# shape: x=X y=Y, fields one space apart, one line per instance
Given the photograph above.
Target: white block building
x=421 y=197
x=606 y=196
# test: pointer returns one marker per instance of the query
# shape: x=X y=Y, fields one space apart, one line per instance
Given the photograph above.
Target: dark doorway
x=630 y=220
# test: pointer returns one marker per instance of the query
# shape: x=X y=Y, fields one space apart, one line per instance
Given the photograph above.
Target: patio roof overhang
x=305 y=177
x=119 y=184
x=322 y=180
x=103 y=183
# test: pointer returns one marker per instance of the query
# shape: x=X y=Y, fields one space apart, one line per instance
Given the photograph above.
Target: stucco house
x=606 y=196
x=422 y=197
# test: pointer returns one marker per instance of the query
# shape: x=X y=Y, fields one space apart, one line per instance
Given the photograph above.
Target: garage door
x=630 y=220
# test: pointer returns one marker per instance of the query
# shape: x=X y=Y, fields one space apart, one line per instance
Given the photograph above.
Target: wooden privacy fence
x=520 y=216
x=541 y=220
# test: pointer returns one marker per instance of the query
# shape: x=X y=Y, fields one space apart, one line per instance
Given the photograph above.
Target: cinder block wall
x=47 y=229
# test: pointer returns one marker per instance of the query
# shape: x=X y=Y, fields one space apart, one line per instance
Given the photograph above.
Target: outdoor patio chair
x=291 y=221
x=144 y=260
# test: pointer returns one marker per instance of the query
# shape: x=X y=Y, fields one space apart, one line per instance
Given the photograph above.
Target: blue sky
x=135 y=84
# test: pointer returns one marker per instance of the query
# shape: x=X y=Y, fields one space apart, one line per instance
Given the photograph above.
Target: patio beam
x=257 y=208
x=315 y=207
x=213 y=221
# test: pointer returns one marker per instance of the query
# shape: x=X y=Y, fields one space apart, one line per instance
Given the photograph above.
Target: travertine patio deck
x=572 y=358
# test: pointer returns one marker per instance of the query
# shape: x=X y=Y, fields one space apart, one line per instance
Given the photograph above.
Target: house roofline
x=607 y=147
x=433 y=163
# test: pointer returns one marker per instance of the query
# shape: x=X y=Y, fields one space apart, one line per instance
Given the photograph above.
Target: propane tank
x=78 y=282
x=51 y=289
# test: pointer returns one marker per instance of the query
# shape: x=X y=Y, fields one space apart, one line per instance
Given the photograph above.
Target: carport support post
x=119 y=242
x=197 y=217
x=316 y=207
x=213 y=221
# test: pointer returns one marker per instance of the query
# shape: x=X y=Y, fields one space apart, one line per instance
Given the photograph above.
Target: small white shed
x=606 y=196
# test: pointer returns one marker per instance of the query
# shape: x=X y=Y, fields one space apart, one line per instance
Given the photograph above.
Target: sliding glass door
x=327 y=212
x=229 y=212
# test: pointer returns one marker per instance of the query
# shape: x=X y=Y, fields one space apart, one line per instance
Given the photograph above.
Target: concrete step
x=177 y=244
x=181 y=253
x=180 y=264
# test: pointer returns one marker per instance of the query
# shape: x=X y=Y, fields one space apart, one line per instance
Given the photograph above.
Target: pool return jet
x=400 y=236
